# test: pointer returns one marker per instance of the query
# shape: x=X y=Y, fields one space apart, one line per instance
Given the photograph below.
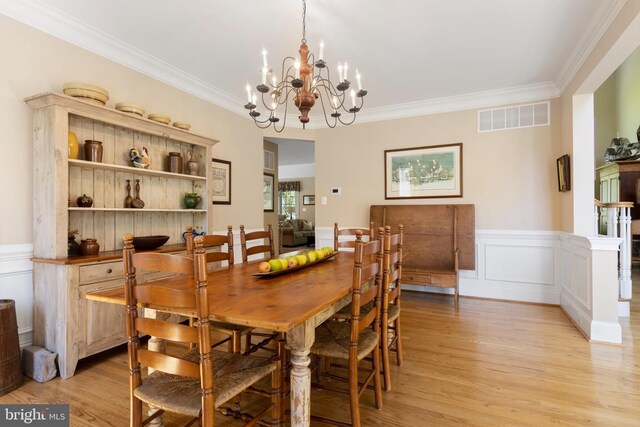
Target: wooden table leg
x=300 y=340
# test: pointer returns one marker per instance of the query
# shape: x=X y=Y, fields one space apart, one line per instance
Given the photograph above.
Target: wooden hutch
x=64 y=321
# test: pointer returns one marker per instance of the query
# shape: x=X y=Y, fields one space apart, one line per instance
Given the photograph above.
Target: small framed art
x=221 y=182
x=564 y=173
x=267 y=192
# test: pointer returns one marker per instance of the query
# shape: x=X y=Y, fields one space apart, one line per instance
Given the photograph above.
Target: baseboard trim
x=594 y=331
x=606 y=332
x=25 y=335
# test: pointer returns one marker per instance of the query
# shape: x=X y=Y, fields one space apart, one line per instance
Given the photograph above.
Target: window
x=288 y=204
x=288 y=192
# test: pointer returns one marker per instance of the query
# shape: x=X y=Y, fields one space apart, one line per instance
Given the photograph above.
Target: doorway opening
x=294 y=192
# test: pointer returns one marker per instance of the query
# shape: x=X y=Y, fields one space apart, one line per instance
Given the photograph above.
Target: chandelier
x=305 y=80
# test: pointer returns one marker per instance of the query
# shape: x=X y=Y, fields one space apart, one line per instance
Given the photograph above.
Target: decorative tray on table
x=295 y=261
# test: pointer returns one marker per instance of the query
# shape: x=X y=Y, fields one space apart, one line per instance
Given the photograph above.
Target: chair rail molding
x=16 y=284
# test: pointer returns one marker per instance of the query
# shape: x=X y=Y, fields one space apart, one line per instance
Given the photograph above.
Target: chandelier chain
x=304 y=21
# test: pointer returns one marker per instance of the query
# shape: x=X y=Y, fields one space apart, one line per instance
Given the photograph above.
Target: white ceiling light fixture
x=303 y=81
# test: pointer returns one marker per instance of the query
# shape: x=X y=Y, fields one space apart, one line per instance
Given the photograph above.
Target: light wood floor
x=488 y=363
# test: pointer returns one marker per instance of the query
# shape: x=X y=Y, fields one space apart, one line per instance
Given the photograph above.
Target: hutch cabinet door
x=102 y=326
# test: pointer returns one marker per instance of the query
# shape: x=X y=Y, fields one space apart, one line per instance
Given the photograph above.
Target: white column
x=596 y=218
x=624 y=277
x=612 y=223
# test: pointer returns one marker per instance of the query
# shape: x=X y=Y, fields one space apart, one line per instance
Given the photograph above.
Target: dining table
x=294 y=302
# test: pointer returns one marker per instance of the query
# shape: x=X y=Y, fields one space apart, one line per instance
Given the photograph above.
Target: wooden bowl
x=149 y=242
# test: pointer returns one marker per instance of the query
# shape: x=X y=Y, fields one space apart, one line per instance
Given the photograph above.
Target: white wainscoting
x=16 y=280
x=515 y=265
x=589 y=285
x=578 y=273
x=16 y=284
x=512 y=265
x=532 y=266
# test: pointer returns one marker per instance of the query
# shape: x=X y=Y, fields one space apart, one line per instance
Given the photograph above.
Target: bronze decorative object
x=137 y=202
x=128 y=200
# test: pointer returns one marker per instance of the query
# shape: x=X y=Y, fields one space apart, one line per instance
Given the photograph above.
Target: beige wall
x=509 y=175
x=34 y=62
x=617 y=105
x=307 y=212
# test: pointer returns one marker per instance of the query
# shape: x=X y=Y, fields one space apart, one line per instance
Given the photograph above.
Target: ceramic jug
x=192 y=165
x=191 y=200
x=194 y=233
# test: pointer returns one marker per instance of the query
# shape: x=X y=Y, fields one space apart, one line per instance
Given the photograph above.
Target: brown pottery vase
x=175 y=162
x=89 y=247
x=93 y=151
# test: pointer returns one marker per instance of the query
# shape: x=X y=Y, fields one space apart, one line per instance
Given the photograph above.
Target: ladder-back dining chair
x=391 y=333
x=346 y=237
x=263 y=240
x=265 y=245
x=353 y=340
x=201 y=379
x=218 y=241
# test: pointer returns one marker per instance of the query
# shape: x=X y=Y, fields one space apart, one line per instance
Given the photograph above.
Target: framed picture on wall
x=564 y=175
x=267 y=192
x=309 y=200
x=423 y=172
x=221 y=182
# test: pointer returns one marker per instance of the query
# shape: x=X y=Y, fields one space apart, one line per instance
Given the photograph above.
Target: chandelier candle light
x=305 y=84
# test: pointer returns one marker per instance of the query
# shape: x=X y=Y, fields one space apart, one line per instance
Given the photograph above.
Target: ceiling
x=415 y=56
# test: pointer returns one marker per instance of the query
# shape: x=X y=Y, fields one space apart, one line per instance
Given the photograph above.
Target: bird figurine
x=140 y=159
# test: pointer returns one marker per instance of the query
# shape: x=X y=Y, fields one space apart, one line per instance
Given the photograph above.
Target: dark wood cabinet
x=617 y=182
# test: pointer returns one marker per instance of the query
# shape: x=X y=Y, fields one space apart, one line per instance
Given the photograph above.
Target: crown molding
x=587 y=43
x=468 y=101
x=67 y=28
